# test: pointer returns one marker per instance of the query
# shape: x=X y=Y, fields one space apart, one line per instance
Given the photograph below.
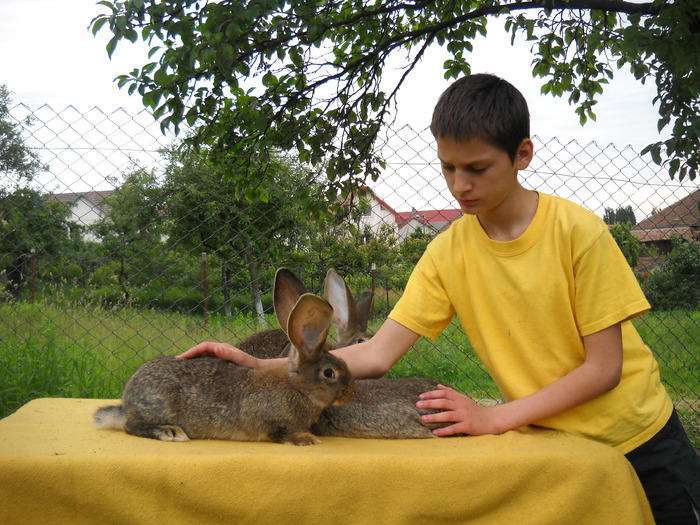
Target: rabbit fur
x=208 y=398
x=382 y=408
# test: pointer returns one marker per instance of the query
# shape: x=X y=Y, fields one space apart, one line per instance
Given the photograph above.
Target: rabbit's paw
x=303 y=439
x=170 y=433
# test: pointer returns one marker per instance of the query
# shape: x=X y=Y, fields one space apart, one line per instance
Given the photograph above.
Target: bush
x=627 y=242
x=675 y=283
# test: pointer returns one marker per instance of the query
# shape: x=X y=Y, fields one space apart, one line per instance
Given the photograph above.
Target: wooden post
x=205 y=290
x=32 y=278
x=373 y=269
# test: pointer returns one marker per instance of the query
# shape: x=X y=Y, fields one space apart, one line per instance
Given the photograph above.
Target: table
x=56 y=468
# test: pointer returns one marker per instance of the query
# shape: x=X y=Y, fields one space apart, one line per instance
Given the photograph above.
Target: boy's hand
x=468 y=417
x=222 y=351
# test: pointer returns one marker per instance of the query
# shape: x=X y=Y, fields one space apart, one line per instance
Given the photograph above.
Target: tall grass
x=49 y=350
x=57 y=351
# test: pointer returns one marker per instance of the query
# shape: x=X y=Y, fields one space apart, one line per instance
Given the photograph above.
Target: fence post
x=205 y=290
x=32 y=278
x=373 y=270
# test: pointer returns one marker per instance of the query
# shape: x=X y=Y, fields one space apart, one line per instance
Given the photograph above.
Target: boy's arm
x=229 y=352
x=375 y=357
x=371 y=359
x=598 y=374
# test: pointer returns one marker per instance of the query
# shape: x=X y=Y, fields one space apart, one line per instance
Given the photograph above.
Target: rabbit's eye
x=329 y=373
x=361 y=340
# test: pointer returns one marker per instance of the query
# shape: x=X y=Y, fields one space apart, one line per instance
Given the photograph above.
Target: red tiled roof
x=95 y=196
x=685 y=212
x=428 y=216
x=423 y=216
x=660 y=234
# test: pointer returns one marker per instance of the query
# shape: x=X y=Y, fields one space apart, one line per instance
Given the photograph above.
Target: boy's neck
x=511 y=221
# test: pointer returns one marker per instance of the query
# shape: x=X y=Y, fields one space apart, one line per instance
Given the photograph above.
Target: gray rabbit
x=382 y=408
x=267 y=344
x=207 y=398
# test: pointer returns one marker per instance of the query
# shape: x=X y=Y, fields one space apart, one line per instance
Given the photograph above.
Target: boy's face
x=481 y=176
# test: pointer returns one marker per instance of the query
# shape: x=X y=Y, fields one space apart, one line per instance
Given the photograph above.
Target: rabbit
x=272 y=343
x=174 y=399
x=382 y=408
x=349 y=317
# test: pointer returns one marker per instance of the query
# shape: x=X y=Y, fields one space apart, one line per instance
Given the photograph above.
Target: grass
x=53 y=351
x=49 y=350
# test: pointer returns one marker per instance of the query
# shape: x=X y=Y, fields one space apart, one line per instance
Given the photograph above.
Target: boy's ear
x=523 y=156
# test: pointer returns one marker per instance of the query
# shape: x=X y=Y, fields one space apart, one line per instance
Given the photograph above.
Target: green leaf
x=97 y=23
x=112 y=45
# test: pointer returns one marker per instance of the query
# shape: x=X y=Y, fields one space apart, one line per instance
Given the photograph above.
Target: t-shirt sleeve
x=425 y=306
x=607 y=292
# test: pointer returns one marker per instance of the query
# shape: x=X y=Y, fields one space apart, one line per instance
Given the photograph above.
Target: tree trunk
x=226 y=288
x=255 y=284
x=121 y=279
x=17 y=275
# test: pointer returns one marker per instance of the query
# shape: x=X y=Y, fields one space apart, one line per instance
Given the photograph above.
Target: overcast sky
x=48 y=56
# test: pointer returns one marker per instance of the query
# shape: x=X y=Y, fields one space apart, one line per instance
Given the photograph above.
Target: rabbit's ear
x=339 y=295
x=287 y=290
x=309 y=323
x=364 y=308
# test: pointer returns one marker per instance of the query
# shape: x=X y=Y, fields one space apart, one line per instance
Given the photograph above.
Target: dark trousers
x=669 y=469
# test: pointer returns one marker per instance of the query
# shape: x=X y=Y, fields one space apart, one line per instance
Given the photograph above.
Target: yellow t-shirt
x=525 y=306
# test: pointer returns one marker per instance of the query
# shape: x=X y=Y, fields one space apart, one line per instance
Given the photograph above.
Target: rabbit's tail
x=110 y=417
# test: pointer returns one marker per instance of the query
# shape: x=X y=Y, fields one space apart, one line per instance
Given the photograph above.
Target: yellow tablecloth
x=55 y=468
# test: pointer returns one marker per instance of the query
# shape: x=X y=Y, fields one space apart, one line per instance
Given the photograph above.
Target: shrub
x=675 y=283
x=627 y=242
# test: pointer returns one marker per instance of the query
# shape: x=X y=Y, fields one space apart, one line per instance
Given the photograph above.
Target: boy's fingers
x=433 y=394
x=437 y=417
x=447 y=431
x=438 y=403
x=201 y=348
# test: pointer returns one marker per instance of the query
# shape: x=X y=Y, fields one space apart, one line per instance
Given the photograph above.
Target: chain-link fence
x=125 y=248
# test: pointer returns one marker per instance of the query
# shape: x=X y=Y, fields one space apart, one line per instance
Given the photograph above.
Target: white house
x=86 y=208
x=407 y=222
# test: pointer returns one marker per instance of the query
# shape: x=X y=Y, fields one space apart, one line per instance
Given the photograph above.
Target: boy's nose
x=462 y=183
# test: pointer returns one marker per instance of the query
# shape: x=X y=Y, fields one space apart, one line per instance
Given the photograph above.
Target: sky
x=49 y=56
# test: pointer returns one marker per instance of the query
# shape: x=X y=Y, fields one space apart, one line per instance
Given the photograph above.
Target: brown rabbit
x=349 y=317
x=382 y=408
x=207 y=398
x=273 y=343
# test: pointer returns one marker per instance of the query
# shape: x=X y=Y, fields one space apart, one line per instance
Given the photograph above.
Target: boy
x=545 y=297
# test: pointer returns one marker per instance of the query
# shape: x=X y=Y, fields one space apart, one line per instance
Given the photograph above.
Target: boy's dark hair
x=483 y=106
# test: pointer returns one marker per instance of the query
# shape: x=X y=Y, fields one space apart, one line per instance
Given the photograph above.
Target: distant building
x=681 y=218
x=86 y=208
x=404 y=223
x=90 y=207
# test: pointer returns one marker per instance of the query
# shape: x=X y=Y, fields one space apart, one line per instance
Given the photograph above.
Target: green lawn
x=50 y=351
